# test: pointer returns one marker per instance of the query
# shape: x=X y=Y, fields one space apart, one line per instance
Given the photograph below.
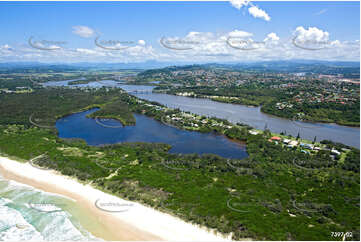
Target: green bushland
x=283 y=200
x=115 y=110
x=348 y=115
x=77 y=82
x=45 y=106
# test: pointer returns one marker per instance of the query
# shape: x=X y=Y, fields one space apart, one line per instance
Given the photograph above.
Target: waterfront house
x=276 y=138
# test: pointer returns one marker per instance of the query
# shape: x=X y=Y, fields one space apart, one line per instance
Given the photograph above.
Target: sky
x=198 y=32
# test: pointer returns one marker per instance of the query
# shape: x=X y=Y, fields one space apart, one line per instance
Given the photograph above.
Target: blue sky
x=210 y=23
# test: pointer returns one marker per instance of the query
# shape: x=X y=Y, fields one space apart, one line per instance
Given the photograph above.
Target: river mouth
x=98 y=132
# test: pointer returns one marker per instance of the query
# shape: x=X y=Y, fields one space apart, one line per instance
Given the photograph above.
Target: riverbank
x=237 y=101
x=137 y=222
x=255 y=118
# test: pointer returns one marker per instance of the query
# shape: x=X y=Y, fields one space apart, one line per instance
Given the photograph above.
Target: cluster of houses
x=284 y=105
x=305 y=148
x=18 y=90
x=185 y=94
x=195 y=120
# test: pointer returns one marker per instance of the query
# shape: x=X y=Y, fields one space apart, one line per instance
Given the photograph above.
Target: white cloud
x=86 y=51
x=258 y=13
x=240 y=34
x=310 y=34
x=141 y=42
x=253 y=10
x=206 y=47
x=5 y=47
x=321 y=12
x=83 y=31
x=239 y=3
x=272 y=37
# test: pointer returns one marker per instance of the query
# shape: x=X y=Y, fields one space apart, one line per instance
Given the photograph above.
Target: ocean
x=27 y=213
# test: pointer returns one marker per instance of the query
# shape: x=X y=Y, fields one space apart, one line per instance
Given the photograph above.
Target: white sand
x=153 y=224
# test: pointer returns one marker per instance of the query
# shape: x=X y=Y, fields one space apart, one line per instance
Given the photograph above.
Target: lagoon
x=108 y=131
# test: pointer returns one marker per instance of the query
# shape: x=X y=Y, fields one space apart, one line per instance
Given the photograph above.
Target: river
x=239 y=113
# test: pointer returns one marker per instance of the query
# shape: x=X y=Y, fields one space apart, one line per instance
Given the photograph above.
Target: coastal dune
x=121 y=219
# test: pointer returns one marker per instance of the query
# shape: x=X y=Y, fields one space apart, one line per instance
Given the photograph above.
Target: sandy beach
x=120 y=219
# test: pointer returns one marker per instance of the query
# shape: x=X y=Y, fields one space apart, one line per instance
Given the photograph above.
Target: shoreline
x=139 y=222
x=274 y=115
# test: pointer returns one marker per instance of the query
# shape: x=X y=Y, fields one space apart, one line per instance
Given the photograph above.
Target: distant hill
x=307 y=66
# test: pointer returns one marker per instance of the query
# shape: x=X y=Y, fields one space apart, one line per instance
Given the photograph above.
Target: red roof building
x=276 y=138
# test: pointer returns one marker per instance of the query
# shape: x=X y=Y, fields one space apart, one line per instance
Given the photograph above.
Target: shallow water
x=27 y=213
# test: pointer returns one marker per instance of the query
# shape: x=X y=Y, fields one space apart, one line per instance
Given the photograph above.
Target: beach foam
x=19 y=221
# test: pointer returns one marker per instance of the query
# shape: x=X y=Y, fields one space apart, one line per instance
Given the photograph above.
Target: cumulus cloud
x=258 y=13
x=239 y=3
x=310 y=34
x=253 y=10
x=83 y=31
x=240 y=34
x=271 y=37
x=141 y=42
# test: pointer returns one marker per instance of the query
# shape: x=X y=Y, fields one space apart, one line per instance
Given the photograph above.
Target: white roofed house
x=336 y=152
x=286 y=141
x=293 y=143
x=253 y=132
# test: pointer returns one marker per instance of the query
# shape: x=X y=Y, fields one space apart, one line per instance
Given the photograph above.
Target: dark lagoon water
x=237 y=113
x=147 y=130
